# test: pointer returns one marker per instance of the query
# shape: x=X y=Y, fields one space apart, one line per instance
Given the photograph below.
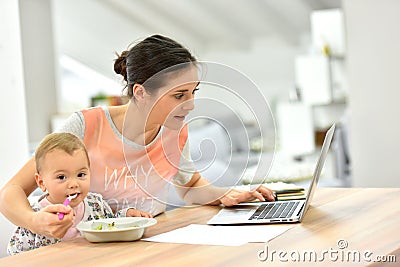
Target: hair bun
x=120 y=64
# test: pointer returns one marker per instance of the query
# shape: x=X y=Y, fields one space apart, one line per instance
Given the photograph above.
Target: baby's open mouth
x=72 y=196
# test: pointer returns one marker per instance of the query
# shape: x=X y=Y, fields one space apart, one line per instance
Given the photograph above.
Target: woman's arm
x=15 y=206
x=199 y=191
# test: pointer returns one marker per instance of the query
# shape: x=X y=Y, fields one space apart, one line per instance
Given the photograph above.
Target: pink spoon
x=66 y=202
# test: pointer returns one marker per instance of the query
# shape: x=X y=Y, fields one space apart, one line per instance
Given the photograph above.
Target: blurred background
x=316 y=62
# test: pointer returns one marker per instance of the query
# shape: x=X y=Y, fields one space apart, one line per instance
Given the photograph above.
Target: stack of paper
x=285 y=191
x=290 y=194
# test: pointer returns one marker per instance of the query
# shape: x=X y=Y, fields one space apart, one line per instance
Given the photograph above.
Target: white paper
x=220 y=235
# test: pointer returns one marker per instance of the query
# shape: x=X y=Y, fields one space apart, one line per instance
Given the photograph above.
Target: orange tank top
x=127 y=174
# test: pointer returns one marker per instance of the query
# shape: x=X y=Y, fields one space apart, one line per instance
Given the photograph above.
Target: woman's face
x=175 y=100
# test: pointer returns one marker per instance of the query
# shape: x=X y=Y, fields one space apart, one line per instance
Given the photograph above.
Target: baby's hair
x=66 y=142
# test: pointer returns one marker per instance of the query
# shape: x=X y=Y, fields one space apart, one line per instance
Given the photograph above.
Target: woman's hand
x=46 y=221
x=138 y=213
x=235 y=196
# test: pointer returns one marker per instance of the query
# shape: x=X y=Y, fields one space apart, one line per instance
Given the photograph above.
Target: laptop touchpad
x=236 y=212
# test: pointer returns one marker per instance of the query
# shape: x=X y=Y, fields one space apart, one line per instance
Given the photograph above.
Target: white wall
x=91 y=33
x=373 y=58
x=40 y=68
x=269 y=63
x=14 y=135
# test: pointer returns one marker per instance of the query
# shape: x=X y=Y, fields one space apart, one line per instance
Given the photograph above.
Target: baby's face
x=62 y=175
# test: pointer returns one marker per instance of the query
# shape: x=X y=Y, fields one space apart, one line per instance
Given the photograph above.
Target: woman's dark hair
x=149 y=57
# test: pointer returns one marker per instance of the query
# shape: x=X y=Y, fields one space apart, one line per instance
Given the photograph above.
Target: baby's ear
x=40 y=182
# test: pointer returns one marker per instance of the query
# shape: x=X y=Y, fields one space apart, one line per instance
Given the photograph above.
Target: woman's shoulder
x=93 y=110
x=113 y=113
x=93 y=117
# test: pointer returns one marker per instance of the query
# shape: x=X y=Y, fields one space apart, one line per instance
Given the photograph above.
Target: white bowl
x=124 y=229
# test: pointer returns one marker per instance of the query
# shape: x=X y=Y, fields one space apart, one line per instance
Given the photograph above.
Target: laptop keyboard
x=275 y=210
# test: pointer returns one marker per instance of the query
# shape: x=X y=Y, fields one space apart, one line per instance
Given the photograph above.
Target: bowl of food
x=115 y=229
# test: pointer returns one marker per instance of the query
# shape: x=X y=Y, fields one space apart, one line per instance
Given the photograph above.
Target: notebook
x=278 y=211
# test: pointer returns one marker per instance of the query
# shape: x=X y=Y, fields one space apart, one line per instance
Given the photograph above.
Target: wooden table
x=367 y=220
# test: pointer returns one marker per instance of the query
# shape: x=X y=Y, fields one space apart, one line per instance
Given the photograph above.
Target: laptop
x=274 y=212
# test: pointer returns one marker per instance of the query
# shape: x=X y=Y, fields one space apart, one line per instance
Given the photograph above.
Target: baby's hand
x=138 y=213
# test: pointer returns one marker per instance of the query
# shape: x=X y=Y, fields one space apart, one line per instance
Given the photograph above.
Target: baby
x=63 y=171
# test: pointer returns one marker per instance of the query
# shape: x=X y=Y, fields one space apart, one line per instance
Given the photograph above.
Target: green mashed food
x=107 y=226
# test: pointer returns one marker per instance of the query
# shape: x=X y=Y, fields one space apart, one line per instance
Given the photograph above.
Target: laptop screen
x=318 y=169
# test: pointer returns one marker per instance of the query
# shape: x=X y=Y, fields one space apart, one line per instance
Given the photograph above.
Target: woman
x=136 y=150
